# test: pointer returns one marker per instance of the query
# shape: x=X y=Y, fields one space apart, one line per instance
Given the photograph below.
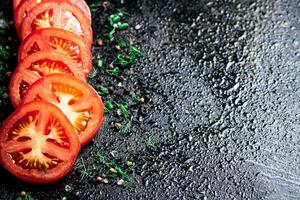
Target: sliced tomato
x=59 y=40
x=25 y=7
x=15 y=4
x=37 y=65
x=78 y=101
x=59 y=14
x=38 y=143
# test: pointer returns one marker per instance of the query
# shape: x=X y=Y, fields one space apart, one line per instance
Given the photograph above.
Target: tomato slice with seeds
x=59 y=14
x=37 y=65
x=25 y=7
x=59 y=40
x=78 y=101
x=38 y=143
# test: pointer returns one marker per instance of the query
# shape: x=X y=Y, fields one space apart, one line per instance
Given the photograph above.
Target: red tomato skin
x=30 y=175
x=58 y=6
x=13 y=86
x=26 y=6
x=42 y=36
x=91 y=98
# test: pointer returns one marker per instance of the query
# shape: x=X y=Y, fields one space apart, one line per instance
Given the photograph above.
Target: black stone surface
x=223 y=77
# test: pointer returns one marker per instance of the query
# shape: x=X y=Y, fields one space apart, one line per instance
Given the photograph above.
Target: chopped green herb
x=114 y=18
x=150 y=143
x=110 y=35
x=84 y=170
x=117 y=169
x=113 y=72
x=124 y=60
x=122 y=43
x=121 y=13
x=93 y=74
x=253 y=70
x=127 y=127
x=132 y=57
x=103 y=90
x=124 y=109
x=123 y=26
x=95 y=5
x=100 y=63
x=3 y=53
x=25 y=196
x=135 y=97
x=121 y=60
x=135 y=51
x=109 y=106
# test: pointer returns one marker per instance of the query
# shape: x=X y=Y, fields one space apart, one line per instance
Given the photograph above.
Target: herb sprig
x=84 y=169
x=113 y=170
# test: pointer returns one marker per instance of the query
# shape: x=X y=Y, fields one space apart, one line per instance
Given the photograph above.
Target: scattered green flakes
x=93 y=74
x=110 y=35
x=2 y=90
x=95 y=5
x=114 y=19
x=103 y=90
x=135 y=97
x=135 y=51
x=3 y=68
x=101 y=158
x=121 y=60
x=114 y=71
x=253 y=70
x=3 y=96
x=123 y=26
x=126 y=184
x=25 y=196
x=100 y=63
x=122 y=43
x=84 y=169
x=109 y=106
x=150 y=142
x=4 y=55
x=127 y=127
x=123 y=107
x=124 y=60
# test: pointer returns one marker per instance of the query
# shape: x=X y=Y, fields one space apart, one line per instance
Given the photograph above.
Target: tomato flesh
x=25 y=7
x=59 y=14
x=78 y=101
x=38 y=143
x=37 y=65
x=59 y=40
x=16 y=3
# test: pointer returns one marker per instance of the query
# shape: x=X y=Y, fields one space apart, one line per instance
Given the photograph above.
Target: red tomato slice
x=78 y=101
x=38 y=143
x=59 y=40
x=25 y=7
x=59 y=14
x=15 y=4
x=37 y=65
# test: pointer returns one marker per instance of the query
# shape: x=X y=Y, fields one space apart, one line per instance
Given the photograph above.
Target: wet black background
x=223 y=77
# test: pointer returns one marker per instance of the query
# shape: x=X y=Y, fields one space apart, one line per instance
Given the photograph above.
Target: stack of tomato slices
x=57 y=112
